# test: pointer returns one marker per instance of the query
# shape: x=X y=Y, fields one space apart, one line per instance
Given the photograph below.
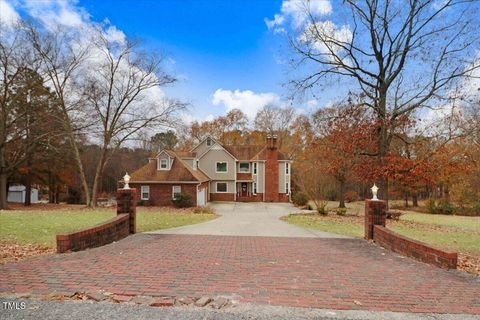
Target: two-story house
x=215 y=172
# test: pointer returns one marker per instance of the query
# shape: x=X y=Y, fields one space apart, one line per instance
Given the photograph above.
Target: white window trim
x=216 y=163
x=142 y=188
x=287 y=188
x=254 y=188
x=160 y=164
x=244 y=171
x=287 y=168
x=255 y=168
x=173 y=191
x=216 y=187
x=208 y=142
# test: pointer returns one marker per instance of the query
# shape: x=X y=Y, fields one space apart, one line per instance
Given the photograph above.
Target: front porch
x=246 y=192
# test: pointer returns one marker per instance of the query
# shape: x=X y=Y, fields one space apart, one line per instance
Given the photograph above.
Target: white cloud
x=325 y=30
x=112 y=34
x=247 y=101
x=296 y=12
x=8 y=15
x=188 y=118
x=58 y=13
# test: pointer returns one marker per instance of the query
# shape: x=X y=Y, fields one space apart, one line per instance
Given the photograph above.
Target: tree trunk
x=415 y=200
x=342 y=194
x=98 y=178
x=28 y=185
x=406 y=200
x=3 y=190
x=78 y=161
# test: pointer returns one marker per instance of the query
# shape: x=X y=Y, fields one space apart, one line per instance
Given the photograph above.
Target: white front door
x=201 y=197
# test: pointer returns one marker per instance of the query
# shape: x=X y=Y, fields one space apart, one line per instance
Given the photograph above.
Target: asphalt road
x=34 y=309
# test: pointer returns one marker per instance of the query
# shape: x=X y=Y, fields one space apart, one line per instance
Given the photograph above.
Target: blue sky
x=214 y=44
x=226 y=54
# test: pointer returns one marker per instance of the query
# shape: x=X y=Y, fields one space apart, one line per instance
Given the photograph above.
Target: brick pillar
x=375 y=214
x=127 y=203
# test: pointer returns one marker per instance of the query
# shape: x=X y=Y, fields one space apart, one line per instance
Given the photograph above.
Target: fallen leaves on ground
x=11 y=251
x=469 y=264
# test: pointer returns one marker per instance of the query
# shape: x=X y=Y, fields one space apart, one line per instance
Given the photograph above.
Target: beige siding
x=283 y=178
x=259 y=178
x=230 y=186
x=202 y=147
x=208 y=164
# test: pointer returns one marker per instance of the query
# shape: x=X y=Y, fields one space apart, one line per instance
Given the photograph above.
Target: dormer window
x=163 y=164
x=209 y=142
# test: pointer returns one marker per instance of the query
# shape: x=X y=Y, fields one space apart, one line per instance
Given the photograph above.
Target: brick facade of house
x=161 y=193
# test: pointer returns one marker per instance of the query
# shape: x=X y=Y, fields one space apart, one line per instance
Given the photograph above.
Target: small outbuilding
x=17 y=194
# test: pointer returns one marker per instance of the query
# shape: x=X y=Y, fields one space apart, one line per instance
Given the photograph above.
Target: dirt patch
x=11 y=251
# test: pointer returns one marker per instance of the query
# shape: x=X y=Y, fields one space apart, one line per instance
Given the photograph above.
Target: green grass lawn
x=41 y=226
x=455 y=233
x=350 y=226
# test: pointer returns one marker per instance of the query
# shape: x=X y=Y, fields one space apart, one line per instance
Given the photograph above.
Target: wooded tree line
x=68 y=91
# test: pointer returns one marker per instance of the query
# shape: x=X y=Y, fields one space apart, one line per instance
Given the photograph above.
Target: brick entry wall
x=375 y=229
x=107 y=232
x=414 y=249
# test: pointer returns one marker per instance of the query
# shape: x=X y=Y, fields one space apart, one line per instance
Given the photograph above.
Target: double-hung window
x=163 y=164
x=254 y=168
x=287 y=168
x=145 y=193
x=176 y=190
x=254 y=186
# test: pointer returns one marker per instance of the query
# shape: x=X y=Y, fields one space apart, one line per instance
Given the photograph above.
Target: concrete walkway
x=250 y=219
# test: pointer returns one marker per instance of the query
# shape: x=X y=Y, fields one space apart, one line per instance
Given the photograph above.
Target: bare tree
x=402 y=55
x=275 y=120
x=62 y=55
x=120 y=91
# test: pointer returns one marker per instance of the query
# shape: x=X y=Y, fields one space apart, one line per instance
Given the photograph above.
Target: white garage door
x=201 y=197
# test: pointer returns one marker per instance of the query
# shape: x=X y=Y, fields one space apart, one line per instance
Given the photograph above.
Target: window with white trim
x=176 y=190
x=287 y=168
x=163 y=164
x=145 y=192
x=209 y=142
x=221 y=187
x=244 y=167
x=287 y=189
x=254 y=186
x=254 y=168
x=222 y=167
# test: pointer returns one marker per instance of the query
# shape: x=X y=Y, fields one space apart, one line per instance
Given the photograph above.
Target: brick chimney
x=271 y=170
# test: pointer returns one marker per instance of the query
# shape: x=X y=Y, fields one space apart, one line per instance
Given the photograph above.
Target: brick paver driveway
x=303 y=272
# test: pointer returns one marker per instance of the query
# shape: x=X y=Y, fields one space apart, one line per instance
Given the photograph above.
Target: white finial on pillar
x=126 y=179
x=374 y=191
